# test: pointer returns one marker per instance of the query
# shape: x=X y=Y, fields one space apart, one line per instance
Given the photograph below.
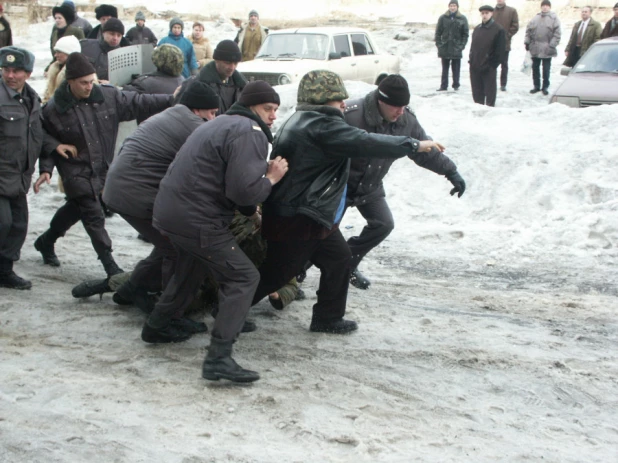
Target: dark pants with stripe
x=13 y=229
x=380 y=224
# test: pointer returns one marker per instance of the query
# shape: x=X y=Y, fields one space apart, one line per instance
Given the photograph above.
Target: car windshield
x=601 y=58
x=305 y=46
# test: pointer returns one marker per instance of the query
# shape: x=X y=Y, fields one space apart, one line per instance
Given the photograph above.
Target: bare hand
x=177 y=91
x=426 y=146
x=257 y=220
x=62 y=150
x=566 y=53
x=276 y=169
x=44 y=177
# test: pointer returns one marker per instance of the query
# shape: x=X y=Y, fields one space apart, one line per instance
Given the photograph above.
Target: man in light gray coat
x=542 y=38
x=222 y=167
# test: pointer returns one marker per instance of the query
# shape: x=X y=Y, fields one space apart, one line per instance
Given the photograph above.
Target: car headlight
x=284 y=79
x=571 y=101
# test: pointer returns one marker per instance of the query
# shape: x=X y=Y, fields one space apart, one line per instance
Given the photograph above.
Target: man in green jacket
x=584 y=34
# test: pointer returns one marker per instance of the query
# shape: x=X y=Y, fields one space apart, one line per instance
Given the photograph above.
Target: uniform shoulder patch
x=353 y=107
x=257 y=127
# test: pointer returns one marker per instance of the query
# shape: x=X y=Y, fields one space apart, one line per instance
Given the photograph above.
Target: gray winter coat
x=21 y=140
x=155 y=82
x=451 y=35
x=221 y=166
x=91 y=126
x=96 y=51
x=134 y=176
x=543 y=35
x=366 y=174
x=83 y=24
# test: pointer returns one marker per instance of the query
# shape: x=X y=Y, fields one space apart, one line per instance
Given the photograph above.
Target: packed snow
x=489 y=332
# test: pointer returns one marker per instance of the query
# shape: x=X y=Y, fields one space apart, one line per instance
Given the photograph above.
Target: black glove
x=527 y=45
x=458 y=182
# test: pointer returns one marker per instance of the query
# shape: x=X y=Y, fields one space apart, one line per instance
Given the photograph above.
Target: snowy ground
x=489 y=333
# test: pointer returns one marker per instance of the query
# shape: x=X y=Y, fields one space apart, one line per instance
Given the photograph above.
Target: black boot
x=109 y=264
x=45 y=245
x=11 y=280
x=189 y=326
x=247 y=327
x=92 y=287
x=219 y=364
x=340 y=326
x=358 y=280
x=168 y=333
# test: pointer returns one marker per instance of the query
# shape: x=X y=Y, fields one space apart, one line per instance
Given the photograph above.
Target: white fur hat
x=68 y=44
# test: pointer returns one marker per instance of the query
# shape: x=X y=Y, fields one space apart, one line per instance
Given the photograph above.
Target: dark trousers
x=483 y=86
x=154 y=272
x=13 y=229
x=455 y=64
x=380 y=224
x=286 y=259
x=504 y=69
x=536 y=72
x=228 y=265
x=88 y=210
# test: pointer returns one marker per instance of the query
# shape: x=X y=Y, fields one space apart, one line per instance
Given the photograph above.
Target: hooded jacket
x=318 y=144
x=366 y=174
x=187 y=50
x=91 y=125
x=221 y=166
x=543 y=35
x=451 y=35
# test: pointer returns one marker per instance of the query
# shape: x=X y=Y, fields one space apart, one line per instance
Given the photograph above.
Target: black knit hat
x=113 y=25
x=394 y=91
x=78 y=66
x=17 y=58
x=106 y=10
x=178 y=21
x=258 y=92
x=227 y=50
x=616 y=5
x=455 y=2
x=199 y=95
x=546 y=2
x=486 y=8
x=66 y=11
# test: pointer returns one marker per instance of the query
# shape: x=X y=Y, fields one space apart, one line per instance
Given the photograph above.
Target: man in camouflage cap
x=301 y=216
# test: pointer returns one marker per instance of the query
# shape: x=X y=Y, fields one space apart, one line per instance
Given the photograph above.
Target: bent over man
x=385 y=111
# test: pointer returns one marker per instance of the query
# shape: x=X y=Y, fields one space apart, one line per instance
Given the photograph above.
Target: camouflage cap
x=168 y=59
x=319 y=87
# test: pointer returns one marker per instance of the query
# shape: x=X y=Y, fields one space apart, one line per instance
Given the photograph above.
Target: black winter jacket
x=221 y=166
x=366 y=174
x=141 y=35
x=134 y=176
x=23 y=139
x=96 y=51
x=91 y=126
x=451 y=35
x=318 y=145
x=488 y=46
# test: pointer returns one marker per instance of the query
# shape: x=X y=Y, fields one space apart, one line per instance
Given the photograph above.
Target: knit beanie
x=113 y=25
x=453 y=2
x=227 y=50
x=394 y=91
x=66 y=11
x=18 y=58
x=616 y=6
x=546 y=2
x=258 y=92
x=253 y=13
x=168 y=59
x=199 y=95
x=68 y=44
x=140 y=16
x=178 y=21
x=70 y=3
x=106 y=10
x=78 y=66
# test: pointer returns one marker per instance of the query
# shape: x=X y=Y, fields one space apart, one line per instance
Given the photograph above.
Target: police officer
x=385 y=111
x=21 y=140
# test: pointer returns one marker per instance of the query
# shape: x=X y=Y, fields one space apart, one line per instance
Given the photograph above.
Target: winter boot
x=220 y=364
x=189 y=326
x=247 y=327
x=11 y=280
x=109 y=264
x=169 y=333
x=92 y=287
x=340 y=326
x=358 y=280
x=45 y=245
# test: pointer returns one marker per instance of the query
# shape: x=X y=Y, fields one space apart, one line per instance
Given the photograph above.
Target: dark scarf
x=240 y=110
x=65 y=100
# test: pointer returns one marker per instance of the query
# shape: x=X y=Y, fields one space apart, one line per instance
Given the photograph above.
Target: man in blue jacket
x=176 y=37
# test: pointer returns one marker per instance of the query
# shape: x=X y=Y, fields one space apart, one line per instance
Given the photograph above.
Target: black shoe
x=143 y=238
x=118 y=299
x=219 y=364
x=90 y=288
x=535 y=90
x=109 y=264
x=301 y=276
x=169 y=333
x=358 y=280
x=247 y=327
x=456 y=88
x=545 y=92
x=340 y=326
x=189 y=326
x=276 y=303
x=300 y=295
x=45 y=245
x=441 y=89
x=13 y=281
x=503 y=89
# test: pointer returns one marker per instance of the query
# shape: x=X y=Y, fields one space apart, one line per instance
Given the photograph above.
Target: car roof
x=319 y=30
x=608 y=41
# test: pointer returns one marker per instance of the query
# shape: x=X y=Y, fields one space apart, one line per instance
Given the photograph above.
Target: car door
x=367 y=62
x=344 y=66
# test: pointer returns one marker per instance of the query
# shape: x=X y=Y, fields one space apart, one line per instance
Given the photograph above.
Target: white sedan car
x=287 y=55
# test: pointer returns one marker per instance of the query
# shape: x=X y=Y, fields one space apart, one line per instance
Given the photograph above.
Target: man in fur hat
x=97 y=49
